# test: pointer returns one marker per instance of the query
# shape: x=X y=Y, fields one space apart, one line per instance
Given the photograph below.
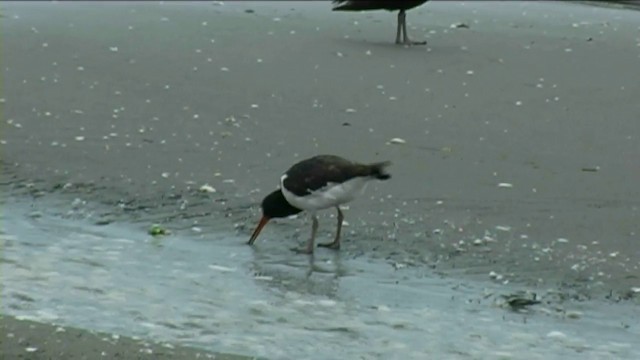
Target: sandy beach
x=515 y=159
x=24 y=339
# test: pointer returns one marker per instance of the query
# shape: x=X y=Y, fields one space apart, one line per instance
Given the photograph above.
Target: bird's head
x=273 y=205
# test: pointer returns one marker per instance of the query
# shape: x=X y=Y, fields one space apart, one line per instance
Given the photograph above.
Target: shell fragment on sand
x=397 y=141
x=207 y=188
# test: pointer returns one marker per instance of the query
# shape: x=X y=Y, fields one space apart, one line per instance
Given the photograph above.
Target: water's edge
x=217 y=294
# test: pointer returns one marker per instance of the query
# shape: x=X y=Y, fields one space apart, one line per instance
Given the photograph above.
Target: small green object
x=157 y=230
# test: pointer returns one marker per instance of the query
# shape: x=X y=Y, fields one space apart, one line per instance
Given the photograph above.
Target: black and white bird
x=321 y=182
x=391 y=5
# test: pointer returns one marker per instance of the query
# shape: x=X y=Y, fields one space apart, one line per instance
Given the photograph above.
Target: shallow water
x=267 y=301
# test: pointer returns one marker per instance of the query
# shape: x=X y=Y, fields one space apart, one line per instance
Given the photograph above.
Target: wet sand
x=139 y=111
x=521 y=146
x=25 y=339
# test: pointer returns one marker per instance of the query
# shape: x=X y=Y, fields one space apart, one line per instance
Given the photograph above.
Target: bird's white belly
x=331 y=195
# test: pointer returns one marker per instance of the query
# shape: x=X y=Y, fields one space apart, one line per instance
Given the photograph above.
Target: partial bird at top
x=390 y=5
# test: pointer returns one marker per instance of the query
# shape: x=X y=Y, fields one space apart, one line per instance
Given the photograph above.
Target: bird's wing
x=316 y=173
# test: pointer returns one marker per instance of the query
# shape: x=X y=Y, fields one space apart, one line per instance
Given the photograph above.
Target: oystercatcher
x=390 y=5
x=318 y=183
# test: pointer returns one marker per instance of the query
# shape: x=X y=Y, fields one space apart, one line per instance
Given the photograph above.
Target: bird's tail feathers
x=378 y=170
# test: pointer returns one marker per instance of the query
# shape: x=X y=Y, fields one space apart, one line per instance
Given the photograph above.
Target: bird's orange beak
x=256 y=232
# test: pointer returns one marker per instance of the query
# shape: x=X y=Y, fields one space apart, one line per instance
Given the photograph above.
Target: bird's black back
x=315 y=173
x=391 y=5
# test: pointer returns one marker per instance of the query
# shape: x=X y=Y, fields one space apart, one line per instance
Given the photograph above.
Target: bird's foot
x=302 y=250
x=410 y=43
x=335 y=245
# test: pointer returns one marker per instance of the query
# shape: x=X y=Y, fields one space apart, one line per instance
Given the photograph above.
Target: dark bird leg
x=399 y=30
x=308 y=249
x=402 y=21
x=335 y=245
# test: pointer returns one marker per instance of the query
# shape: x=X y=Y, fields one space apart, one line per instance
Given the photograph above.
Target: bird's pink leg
x=308 y=249
x=336 y=242
x=405 y=36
